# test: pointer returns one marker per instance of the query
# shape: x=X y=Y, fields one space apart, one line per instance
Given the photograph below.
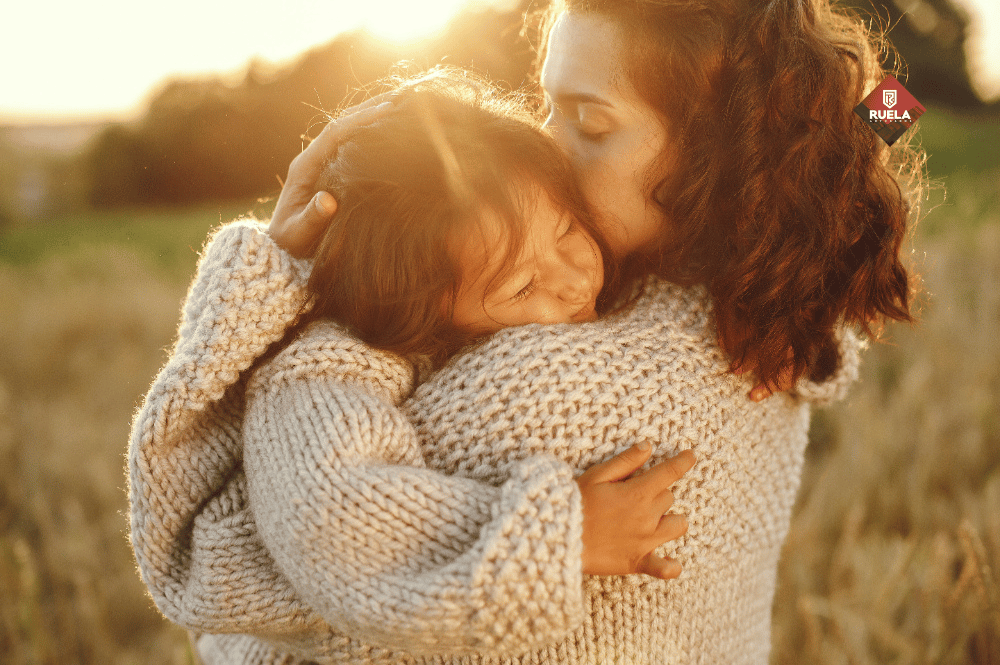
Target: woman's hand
x=623 y=515
x=302 y=213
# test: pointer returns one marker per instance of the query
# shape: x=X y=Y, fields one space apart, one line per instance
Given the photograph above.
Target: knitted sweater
x=334 y=528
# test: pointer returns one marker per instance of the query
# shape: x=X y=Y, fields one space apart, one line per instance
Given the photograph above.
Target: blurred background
x=127 y=132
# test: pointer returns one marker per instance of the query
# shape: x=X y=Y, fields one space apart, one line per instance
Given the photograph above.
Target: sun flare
x=407 y=20
x=104 y=57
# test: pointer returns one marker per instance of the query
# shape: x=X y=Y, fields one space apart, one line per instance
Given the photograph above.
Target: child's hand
x=302 y=214
x=623 y=516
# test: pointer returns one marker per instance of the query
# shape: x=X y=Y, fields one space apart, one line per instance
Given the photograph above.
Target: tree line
x=211 y=139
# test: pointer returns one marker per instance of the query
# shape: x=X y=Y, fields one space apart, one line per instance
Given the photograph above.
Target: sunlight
x=409 y=20
x=101 y=58
x=105 y=57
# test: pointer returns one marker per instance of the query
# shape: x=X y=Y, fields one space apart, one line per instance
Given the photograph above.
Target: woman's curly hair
x=781 y=200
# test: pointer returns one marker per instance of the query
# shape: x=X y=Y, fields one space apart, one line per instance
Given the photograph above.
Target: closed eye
x=590 y=136
x=525 y=292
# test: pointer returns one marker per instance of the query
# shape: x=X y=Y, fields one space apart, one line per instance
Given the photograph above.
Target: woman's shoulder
x=834 y=388
x=679 y=307
x=661 y=313
x=324 y=351
x=665 y=324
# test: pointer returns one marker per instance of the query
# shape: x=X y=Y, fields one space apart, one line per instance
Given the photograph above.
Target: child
x=458 y=218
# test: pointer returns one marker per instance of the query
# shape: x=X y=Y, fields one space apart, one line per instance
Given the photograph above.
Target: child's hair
x=787 y=206
x=453 y=149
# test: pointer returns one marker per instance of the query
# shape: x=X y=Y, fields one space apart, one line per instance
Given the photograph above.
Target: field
x=894 y=553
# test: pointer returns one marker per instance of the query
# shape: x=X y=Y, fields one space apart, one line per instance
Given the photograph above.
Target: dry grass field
x=894 y=553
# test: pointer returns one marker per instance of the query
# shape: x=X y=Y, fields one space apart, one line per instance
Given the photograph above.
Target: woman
x=719 y=141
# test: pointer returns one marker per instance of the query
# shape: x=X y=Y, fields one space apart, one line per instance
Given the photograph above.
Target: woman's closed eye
x=592 y=122
x=588 y=119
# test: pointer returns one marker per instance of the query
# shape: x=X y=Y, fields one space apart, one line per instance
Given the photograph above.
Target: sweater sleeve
x=199 y=547
x=390 y=552
x=188 y=522
x=246 y=292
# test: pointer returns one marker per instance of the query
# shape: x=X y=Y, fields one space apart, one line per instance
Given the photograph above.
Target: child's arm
x=400 y=556
x=192 y=529
x=244 y=295
x=191 y=526
x=625 y=513
x=186 y=487
x=389 y=552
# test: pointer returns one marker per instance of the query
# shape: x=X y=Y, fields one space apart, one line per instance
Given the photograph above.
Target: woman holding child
x=356 y=516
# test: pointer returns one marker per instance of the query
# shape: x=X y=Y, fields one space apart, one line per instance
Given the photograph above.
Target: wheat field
x=894 y=552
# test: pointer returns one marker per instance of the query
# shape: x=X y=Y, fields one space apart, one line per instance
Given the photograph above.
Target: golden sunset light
x=104 y=58
x=76 y=60
x=453 y=331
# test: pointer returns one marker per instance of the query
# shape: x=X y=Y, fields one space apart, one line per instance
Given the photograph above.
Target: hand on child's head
x=301 y=213
x=555 y=276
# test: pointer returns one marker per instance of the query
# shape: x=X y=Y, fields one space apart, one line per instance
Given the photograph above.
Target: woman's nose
x=554 y=129
x=549 y=124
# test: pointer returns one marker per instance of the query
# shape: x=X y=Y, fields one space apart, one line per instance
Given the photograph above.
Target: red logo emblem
x=890 y=110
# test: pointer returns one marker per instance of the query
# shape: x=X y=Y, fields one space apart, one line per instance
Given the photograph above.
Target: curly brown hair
x=787 y=206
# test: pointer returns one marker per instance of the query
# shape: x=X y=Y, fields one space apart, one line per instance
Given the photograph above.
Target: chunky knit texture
x=385 y=549
x=330 y=527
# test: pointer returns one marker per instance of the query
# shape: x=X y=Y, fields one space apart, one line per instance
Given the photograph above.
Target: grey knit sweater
x=323 y=510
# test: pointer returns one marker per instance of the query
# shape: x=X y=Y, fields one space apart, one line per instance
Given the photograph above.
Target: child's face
x=556 y=278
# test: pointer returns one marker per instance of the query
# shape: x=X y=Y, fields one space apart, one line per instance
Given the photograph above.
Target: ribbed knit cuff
x=240 y=650
x=245 y=294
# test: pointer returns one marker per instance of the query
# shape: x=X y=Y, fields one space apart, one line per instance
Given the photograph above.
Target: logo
x=879 y=110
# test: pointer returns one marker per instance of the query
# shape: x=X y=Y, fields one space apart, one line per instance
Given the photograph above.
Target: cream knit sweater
x=332 y=525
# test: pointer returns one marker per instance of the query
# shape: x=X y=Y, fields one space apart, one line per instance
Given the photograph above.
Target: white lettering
x=889 y=115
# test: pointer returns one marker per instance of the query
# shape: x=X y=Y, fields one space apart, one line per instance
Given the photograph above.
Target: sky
x=84 y=60
x=96 y=58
